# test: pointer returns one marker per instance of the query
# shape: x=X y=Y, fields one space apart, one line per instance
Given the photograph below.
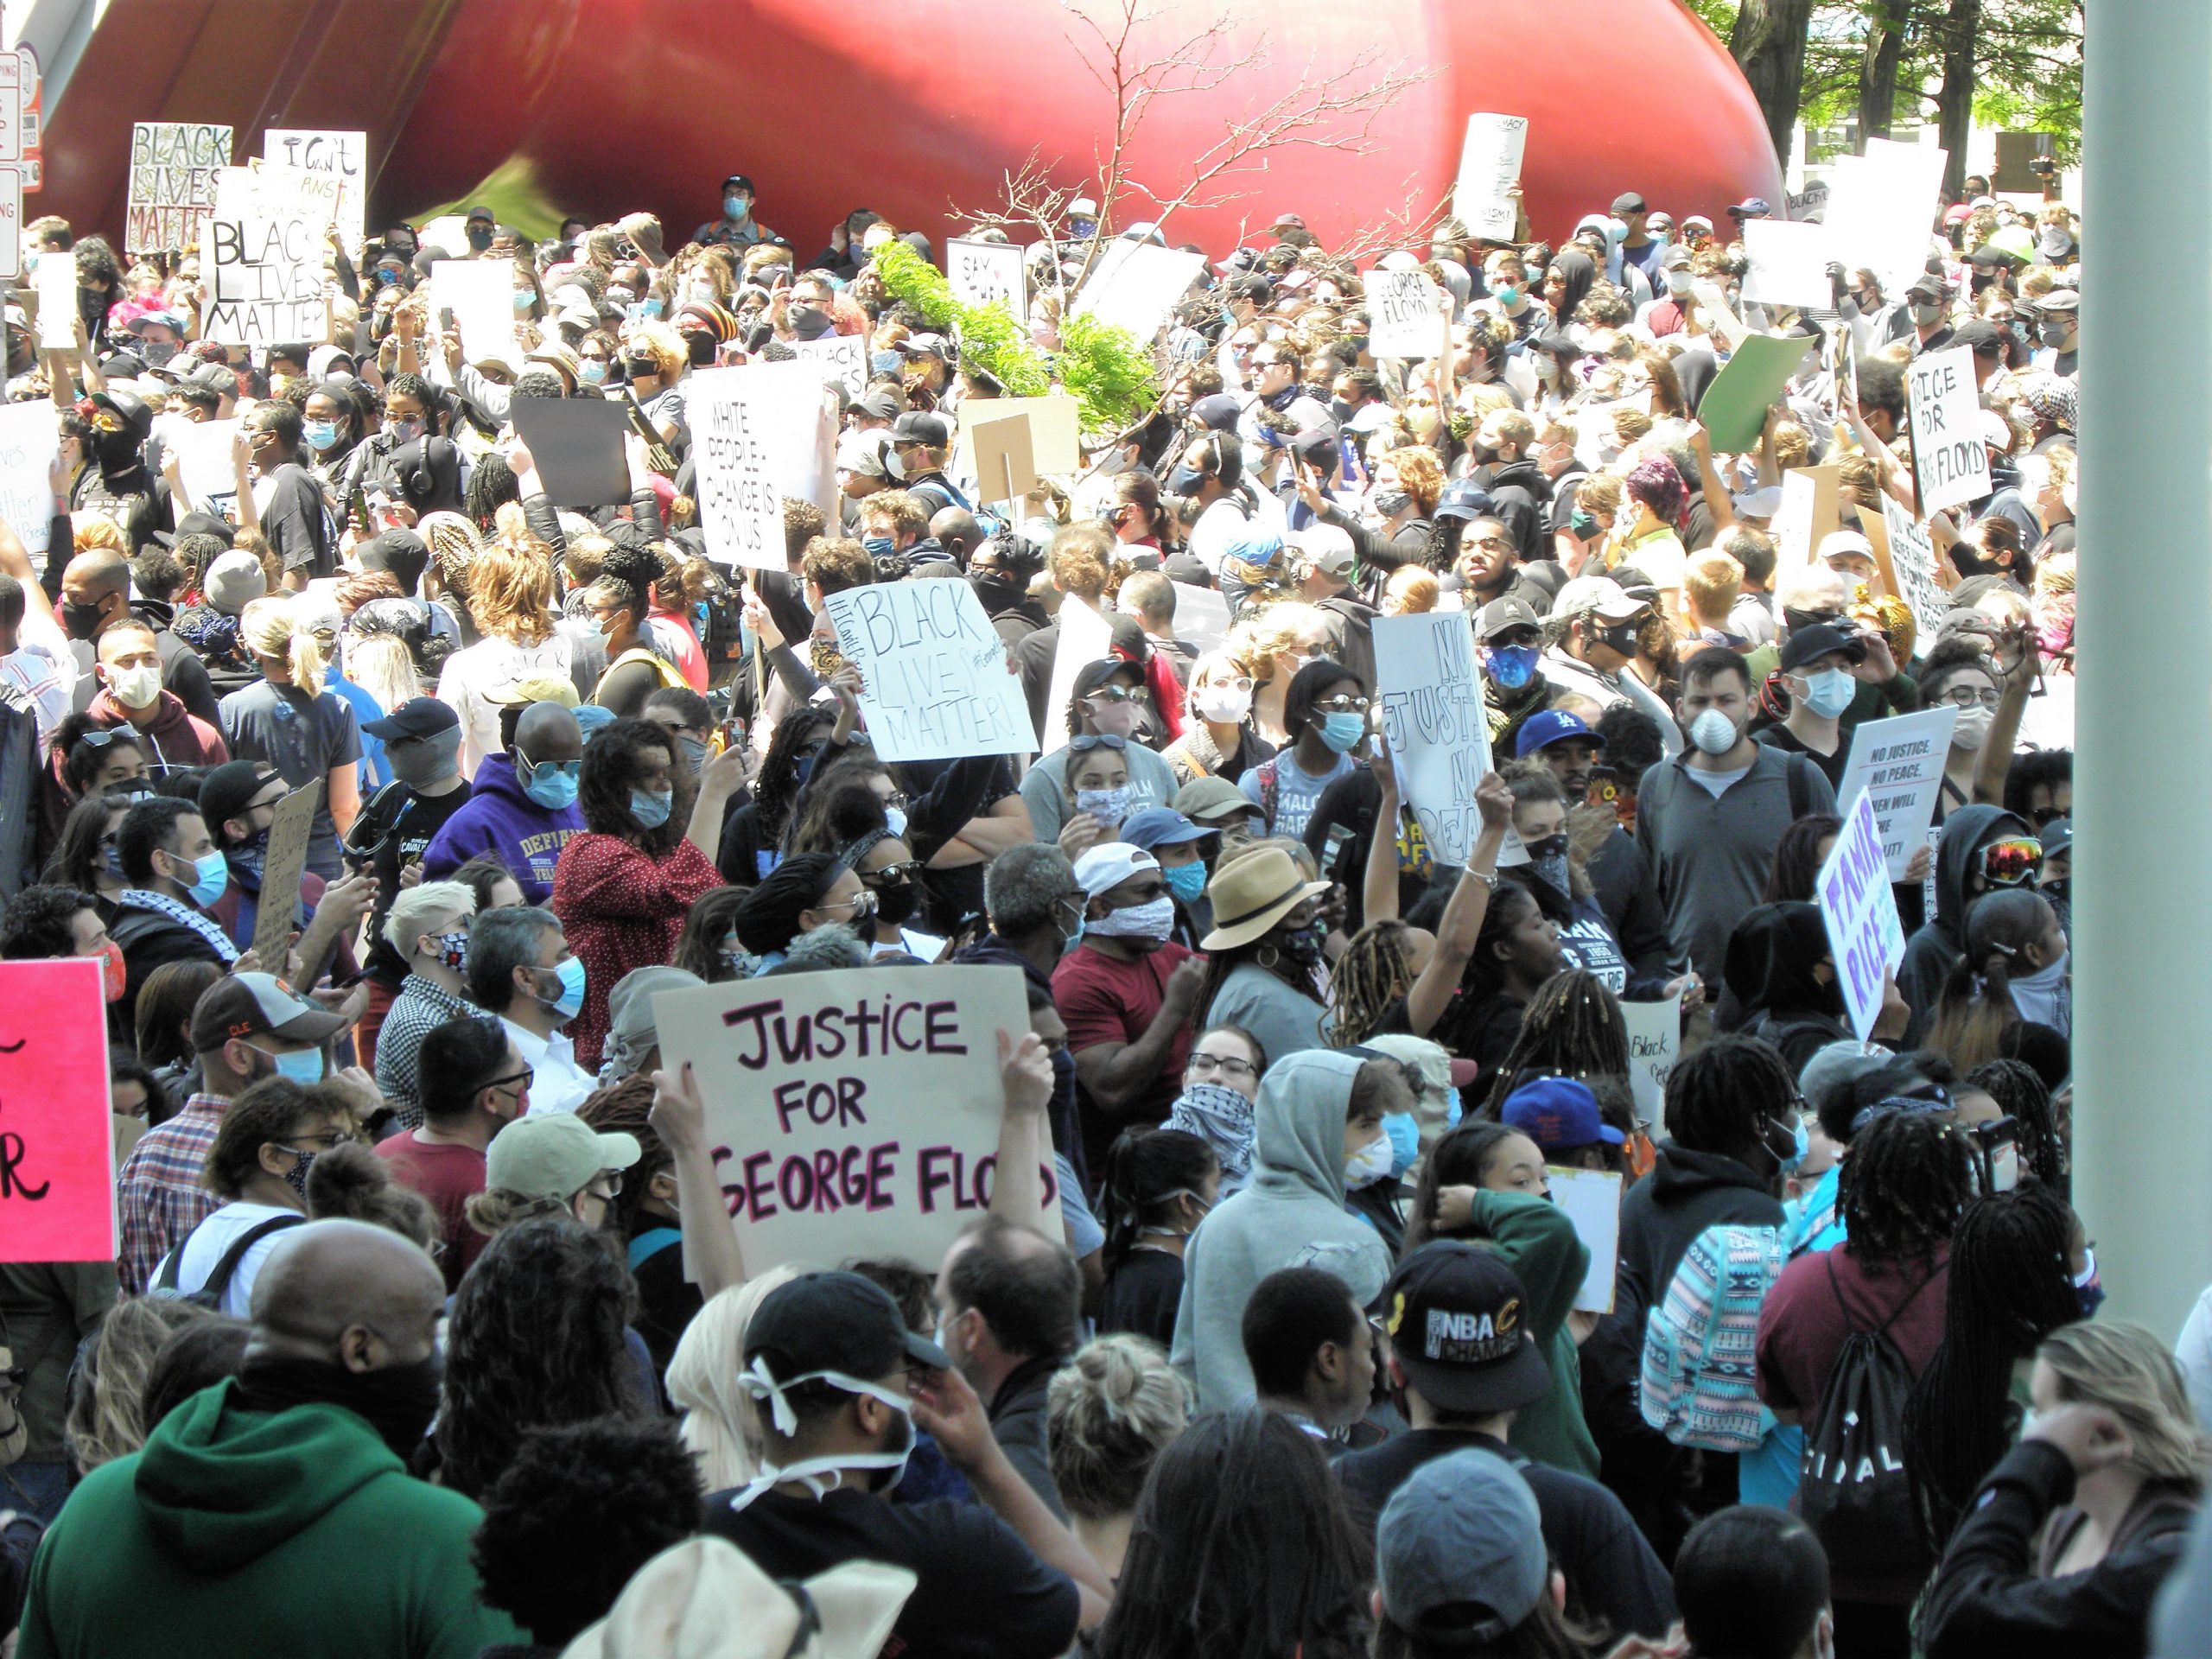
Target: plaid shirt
x=158 y=1196
x=420 y=1007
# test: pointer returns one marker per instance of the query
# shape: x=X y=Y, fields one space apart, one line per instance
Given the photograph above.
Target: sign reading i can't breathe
x=57 y=1184
x=851 y=1113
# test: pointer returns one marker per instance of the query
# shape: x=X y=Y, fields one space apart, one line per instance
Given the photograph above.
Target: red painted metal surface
x=599 y=107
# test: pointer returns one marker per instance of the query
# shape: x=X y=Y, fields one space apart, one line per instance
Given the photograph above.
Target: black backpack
x=1853 y=1492
x=211 y=1292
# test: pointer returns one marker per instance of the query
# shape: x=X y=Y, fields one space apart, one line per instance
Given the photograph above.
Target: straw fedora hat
x=1252 y=893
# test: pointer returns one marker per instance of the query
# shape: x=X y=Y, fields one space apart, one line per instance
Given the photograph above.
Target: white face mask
x=1224 y=705
x=1713 y=731
x=757 y=1381
x=136 y=688
x=1972 y=729
x=1154 y=920
x=1368 y=1165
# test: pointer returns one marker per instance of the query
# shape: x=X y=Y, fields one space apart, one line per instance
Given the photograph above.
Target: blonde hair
x=416 y=907
x=1710 y=583
x=1261 y=635
x=382 y=666
x=1410 y=591
x=1420 y=475
x=510 y=589
x=270 y=629
x=453 y=545
x=1601 y=497
x=660 y=342
x=93 y=534
x=107 y=1418
x=1108 y=1413
x=498 y=1208
x=2127 y=1370
x=721 y=1425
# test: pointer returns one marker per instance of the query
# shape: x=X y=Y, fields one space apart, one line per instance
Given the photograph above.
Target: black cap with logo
x=1457 y=1319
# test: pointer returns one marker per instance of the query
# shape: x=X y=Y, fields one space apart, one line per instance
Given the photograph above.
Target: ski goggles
x=2011 y=862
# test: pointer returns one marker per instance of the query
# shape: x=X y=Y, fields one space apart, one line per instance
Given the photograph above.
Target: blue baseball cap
x=1552 y=725
x=1162 y=826
x=1557 y=1112
x=1463 y=499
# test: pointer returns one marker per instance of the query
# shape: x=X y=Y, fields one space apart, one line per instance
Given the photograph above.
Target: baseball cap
x=1292 y=220
x=1162 y=826
x=478 y=212
x=1214 y=801
x=1599 y=593
x=2057 y=836
x=233 y=582
x=1459 y=1554
x=915 y=427
x=139 y=324
x=554 y=1155
x=1957 y=213
x=1093 y=674
x=1510 y=612
x=1083 y=207
x=1457 y=1317
x=1810 y=644
x=1843 y=543
x=248 y=1005
x=1327 y=549
x=1238 y=263
x=1933 y=287
x=1463 y=499
x=1540 y=731
x=1698 y=220
x=925 y=346
x=1217 y=412
x=380 y=549
x=741 y=181
x=534 y=688
x=1677 y=258
x=1750 y=208
x=832 y=1321
x=1557 y=1112
x=226 y=790
x=416 y=717
x=881 y=404
x=1109 y=864
x=1982 y=336
x=1629 y=201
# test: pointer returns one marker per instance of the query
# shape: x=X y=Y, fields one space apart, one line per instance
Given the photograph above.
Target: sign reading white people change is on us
x=1865 y=936
x=1433 y=719
x=1948 y=459
x=936 y=685
x=756 y=435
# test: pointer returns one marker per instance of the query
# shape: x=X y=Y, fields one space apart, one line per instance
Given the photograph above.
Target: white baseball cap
x=1108 y=865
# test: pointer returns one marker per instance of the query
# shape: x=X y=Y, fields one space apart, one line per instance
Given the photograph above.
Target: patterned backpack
x=1700 y=1378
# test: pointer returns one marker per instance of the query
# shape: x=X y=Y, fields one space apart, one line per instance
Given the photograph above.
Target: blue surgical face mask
x=210 y=876
x=571 y=1003
x=737 y=208
x=1405 y=1141
x=884 y=362
x=1342 y=733
x=591 y=371
x=1828 y=691
x=1511 y=666
x=650 y=807
x=879 y=547
x=1800 y=1145
x=1506 y=293
x=1453 y=1110
x=320 y=435
x=1187 y=882
x=553 y=784
x=304 y=1067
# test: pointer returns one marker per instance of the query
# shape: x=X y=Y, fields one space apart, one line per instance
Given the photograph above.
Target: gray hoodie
x=1291 y=1215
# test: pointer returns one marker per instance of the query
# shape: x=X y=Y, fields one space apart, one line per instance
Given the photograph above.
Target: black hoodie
x=1686 y=1192
x=1936 y=949
x=1771 y=955
x=1520 y=496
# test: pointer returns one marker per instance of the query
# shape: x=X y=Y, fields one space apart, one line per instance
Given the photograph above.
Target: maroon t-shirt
x=1106 y=1000
x=449 y=1177
x=1802 y=1325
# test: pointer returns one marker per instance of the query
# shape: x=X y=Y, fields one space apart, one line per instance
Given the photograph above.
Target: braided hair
x=1572 y=1028
x=1146 y=1171
x=2010 y=1284
x=2016 y=1086
x=1375 y=970
x=1909 y=1177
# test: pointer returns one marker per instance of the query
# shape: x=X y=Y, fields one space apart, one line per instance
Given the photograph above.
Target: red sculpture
x=599 y=107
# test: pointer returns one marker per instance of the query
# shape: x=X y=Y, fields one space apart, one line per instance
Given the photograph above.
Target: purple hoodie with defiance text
x=499 y=818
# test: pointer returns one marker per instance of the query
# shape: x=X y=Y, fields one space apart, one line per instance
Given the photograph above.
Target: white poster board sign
x=1136 y=284
x=343 y=155
x=1880 y=206
x=1912 y=561
x=54 y=279
x=1490 y=166
x=1865 y=936
x=1790 y=263
x=264 y=247
x=205 y=463
x=1591 y=1198
x=1433 y=716
x=936 y=683
x=1085 y=636
x=1950 y=463
x=173 y=167
x=29 y=439
x=1654 y=1041
x=1201 y=616
x=1899 y=763
x=1792 y=520
x=1055 y=430
x=1403 y=315
x=758 y=434
x=851 y=1113
x=481 y=294
x=983 y=272
x=839 y=358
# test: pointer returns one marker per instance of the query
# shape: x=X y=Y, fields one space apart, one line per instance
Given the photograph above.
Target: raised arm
x=1018 y=1186
x=1462 y=921
x=712 y=1258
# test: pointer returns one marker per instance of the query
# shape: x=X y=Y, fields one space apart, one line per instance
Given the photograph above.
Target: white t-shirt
x=470 y=676
x=208 y=1243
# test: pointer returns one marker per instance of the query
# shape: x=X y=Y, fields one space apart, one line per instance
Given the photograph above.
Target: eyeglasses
x=1492 y=542
x=2011 y=862
x=1204 y=1064
x=527 y=1077
x=1085 y=743
x=1965 y=696
x=1112 y=694
x=307 y=1142
x=607 y=1187
x=1343 y=705
x=861 y=903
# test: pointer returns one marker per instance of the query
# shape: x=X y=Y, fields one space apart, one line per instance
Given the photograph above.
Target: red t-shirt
x=1802 y=1327
x=1106 y=1000
x=448 y=1176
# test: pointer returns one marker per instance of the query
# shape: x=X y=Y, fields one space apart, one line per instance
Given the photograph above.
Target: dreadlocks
x=1721 y=1098
x=2016 y=1086
x=1572 y=1028
x=2011 y=1285
x=1375 y=970
x=1901 y=1191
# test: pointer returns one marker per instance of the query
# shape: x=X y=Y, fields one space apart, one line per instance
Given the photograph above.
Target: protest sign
x=173 y=168
x=937 y=686
x=1055 y=428
x=982 y=272
x=1005 y=458
x=342 y=156
x=1734 y=406
x=851 y=1113
x=1804 y=204
x=1490 y=166
x=839 y=358
x=758 y=434
x=54 y=279
x=1136 y=284
x=1085 y=636
x=481 y=294
x=57 y=1183
x=1719 y=316
x=1899 y=763
x=11 y=221
x=1433 y=715
x=1201 y=616
x=1789 y=264
x=448 y=234
x=1809 y=512
x=289 y=828
x=1864 y=934
x=1591 y=1198
x=264 y=249
x=1913 y=566
x=576 y=445
x=1655 y=1036
x=29 y=439
x=1403 y=317
x=1880 y=205
x=206 y=461
x=1949 y=461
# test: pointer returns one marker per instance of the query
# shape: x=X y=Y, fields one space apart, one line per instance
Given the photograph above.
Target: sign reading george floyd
x=934 y=670
x=1949 y=460
x=1865 y=936
x=57 y=1188
x=1403 y=313
x=173 y=168
x=1433 y=716
x=854 y=1113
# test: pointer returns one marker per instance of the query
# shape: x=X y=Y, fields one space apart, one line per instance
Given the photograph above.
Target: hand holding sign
x=57 y=1194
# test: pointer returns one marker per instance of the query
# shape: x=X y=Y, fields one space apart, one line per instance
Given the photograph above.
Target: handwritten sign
x=1865 y=933
x=1655 y=1040
x=1899 y=763
x=264 y=243
x=839 y=358
x=1136 y=284
x=1404 y=319
x=756 y=437
x=1948 y=458
x=57 y=1181
x=1490 y=166
x=29 y=438
x=1433 y=715
x=984 y=273
x=481 y=294
x=936 y=684
x=1591 y=1198
x=11 y=221
x=341 y=155
x=1912 y=562
x=289 y=828
x=173 y=168
x=852 y=1114
x=1790 y=263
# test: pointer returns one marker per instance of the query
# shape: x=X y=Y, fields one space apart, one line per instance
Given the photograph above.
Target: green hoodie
x=296 y=1533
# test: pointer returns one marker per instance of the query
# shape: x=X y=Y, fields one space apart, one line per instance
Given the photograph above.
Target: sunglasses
x=1112 y=694
x=2011 y=862
x=1106 y=740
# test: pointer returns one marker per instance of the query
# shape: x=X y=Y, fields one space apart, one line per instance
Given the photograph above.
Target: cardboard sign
x=851 y=1113
x=1807 y=514
x=342 y=156
x=1719 y=316
x=1591 y=1198
x=173 y=168
x=1734 y=406
x=265 y=250
x=481 y=294
x=986 y=273
x=275 y=918
x=839 y=358
x=1655 y=1038
x=1433 y=715
x=1055 y=428
x=1085 y=636
x=935 y=671
x=1860 y=910
x=28 y=438
x=1403 y=317
x=1899 y=763
x=57 y=1178
x=1789 y=264
x=1949 y=461
x=1913 y=566
x=576 y=443
x=1005 y=458
x=757 y=435
x=54 y=279
x=1490 y=165
x=1136 y=284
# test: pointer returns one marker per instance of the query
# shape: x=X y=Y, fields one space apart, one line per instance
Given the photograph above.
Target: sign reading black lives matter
x=264 y=248
x=936 y=685
x=173 y=168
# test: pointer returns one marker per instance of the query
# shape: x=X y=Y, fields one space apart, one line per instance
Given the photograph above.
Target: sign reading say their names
x=57 y=1184
x=173 y=168
x=851 y=1113
x=28 y=438
x=934 y=671
x=1433 y=715
x=755 y=434
x=1898 y=762
x=982 y=272
x=1404 y=319
x=1865 y=936
x=1949 y=460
